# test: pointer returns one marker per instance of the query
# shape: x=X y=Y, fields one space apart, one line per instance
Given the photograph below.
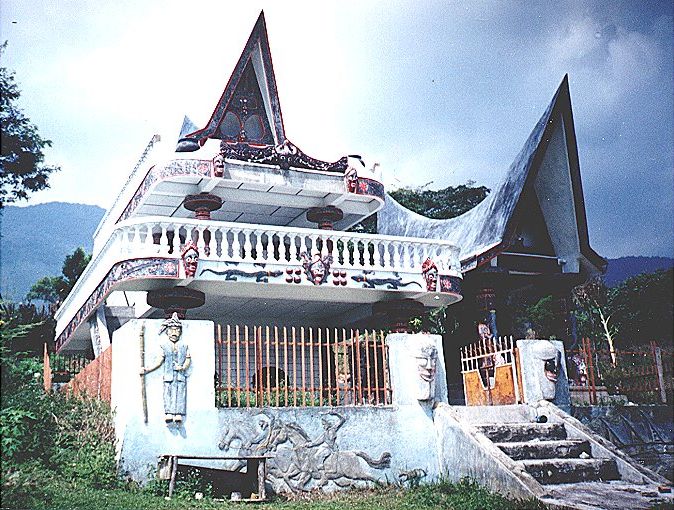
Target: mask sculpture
x=430 y=272
x=316 y=268
x=190 y=257
x=427 y=360
x=548 y=361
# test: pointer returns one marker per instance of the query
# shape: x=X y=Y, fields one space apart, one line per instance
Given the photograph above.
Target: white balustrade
x=240 y=242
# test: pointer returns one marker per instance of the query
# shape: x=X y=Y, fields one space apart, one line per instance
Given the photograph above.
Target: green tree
x=54 y=289
x=441 y=204
x=643 y=308
x=22 y=168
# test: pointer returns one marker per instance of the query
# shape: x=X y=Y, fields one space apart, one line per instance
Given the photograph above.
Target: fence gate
x=490 y=372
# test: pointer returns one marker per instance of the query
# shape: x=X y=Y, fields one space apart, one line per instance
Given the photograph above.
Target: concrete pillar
x=544 y=375
x=417 y=369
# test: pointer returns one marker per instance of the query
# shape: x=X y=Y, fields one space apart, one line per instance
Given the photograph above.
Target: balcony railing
x=258 y=244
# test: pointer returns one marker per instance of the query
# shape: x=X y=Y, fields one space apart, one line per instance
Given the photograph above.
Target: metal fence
x=642 y=376
x=265 y=366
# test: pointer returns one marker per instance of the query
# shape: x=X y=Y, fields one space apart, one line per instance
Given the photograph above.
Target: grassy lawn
x=463 y=496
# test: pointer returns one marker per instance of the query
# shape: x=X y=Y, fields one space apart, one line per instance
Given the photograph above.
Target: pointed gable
x=248 y=110
x=547 y=168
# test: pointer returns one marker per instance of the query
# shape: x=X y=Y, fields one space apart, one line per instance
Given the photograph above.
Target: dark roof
x=489 y=227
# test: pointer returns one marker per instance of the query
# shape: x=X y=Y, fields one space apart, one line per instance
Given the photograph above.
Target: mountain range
x=36 y=239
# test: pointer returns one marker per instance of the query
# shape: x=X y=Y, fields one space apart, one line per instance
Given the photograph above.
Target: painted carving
x=126 y=270
x=293 y=275
x=390 y=283
x=316 y=268
x=430 y=272
x=339 y=277
x=578 y=370
x=300 y=463
x=234 y=274
x=219 y=165
x=547 y=359
x=190 y=258
x=450 y=284
x=427 y=360
x=370 y=187
x=176 y=359
x=285 y=155
x=351 y=180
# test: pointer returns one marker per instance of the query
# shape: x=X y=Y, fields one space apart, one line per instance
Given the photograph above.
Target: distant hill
x=36 y=239
x=624 y=267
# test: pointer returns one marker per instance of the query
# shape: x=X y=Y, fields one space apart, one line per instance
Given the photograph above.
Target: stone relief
x=426 y=359
x=190 y=258
x=316 y=268
x=300 y=463
x=219 y=165
x=547 y=359
x=176 y=359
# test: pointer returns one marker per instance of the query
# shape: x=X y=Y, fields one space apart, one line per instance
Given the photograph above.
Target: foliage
x=46 y=436
x=54 y=289
x=642 y=308
x=21 y=159
x=441 y=204
x=540 y=317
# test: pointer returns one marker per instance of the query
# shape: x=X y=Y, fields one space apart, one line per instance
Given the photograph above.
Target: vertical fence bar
x=267 y=364
x=659 y=372
x=345 y=365
x=376 y=366
x=294 y=335
x=335 y=347
x=229 y=362
x=367 y=368
x=303 y=357
x=328 y=362
x=320 y=367
x=311 y=363
x=285 y=363
x=360 y=372
x=276 y=364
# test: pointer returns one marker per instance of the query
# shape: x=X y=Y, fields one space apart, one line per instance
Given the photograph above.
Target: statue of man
x=176 y=359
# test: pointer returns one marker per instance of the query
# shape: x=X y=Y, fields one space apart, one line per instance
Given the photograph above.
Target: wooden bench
x=254 y=463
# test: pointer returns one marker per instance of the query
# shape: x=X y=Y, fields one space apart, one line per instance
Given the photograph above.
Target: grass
x=461 y=496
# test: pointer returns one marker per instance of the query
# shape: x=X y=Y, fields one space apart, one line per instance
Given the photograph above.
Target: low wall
x=645 y=433
x=95 y=379
x=315 y=447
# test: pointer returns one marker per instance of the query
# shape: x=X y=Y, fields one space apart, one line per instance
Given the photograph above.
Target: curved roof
x=489 y=227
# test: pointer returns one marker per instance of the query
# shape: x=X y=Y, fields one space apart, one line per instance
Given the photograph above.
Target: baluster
x=126 y=240
x=258 y=245
x=163 y=239
x=295 y=245
x=236 y=244
x=247 y=244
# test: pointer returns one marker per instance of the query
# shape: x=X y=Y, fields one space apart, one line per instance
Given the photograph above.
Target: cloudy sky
x=437 y=92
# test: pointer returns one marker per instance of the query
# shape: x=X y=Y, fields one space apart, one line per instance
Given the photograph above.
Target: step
x=556 y=471
x=562 y=449
x=522 y=432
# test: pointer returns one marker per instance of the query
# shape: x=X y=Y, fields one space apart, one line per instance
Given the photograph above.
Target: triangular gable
x=491 y=226
x=248 y=110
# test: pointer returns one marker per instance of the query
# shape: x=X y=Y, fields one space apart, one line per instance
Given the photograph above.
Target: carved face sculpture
x=427 y=360
x=351 y=180
x=430 y=272
x=173 y=328
x=219 y=165
x=190 y=256
x=548 y=359
x=317 y=268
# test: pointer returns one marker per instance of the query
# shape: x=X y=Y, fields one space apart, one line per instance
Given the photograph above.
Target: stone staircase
x=544 y=452
x=541 y=451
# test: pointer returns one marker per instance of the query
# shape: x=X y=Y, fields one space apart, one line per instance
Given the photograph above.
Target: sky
x=438 y=92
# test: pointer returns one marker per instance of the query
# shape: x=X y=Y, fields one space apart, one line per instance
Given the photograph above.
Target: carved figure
x=176 y=360
x=351 y=180
x=430 y=272
x=190 y=257
x=219 y=165
x=427 y=359
x=316 y=268
x=548 y=360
